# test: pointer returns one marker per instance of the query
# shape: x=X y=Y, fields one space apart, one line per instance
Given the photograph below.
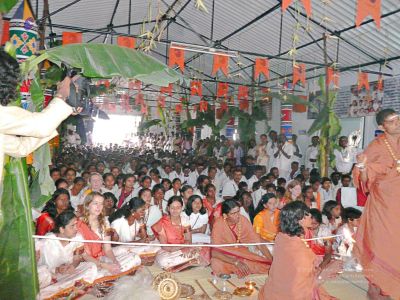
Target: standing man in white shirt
x=345 y=158
x=272 y=147
x=312 y=154
x=283 y=156
x=297 y=154
x=231 y=186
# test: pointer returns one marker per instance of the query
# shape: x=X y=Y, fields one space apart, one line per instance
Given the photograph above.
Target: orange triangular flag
x=143 y=109
x=366 y=8
x=126 y=41
x=139 y=99
x=167 y=90
x=379 y=84
x=332 y=76
x=203 y=105
x=306 y=3
x=222 y=89
x=161 y=101
x=261 y=66
x=71 y=38
x=243 y=97
x=135 y=85
x=299 y=74
x=177 y=57
x=196 y=88
x=6 y=32
x=220 y=63
x=178 y=108
x=363 y=81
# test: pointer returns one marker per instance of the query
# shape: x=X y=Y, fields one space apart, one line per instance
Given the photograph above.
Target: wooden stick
x=204 y=291
x=212 y=283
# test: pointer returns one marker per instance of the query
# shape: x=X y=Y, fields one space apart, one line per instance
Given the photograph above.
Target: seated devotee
x=152 y=213
x=166 y=183
x=246 y=205
x=321 y=247
x=201 y=183
x=58 y=203
x=126 y=193
x=326 y=189
x=294 y=273
x=331 y=215
x=109 y=184
x=343 y=244
x=174 y=229
x=210 y=201
x=76 y=192
x=174 y=191
x=70 y=175
x=110 y=202
x=186 y=192
x=266 y=221
x=129 y=224
x=309 y=199
x=61 y=184
x=64 y=258
x=157 y=193
x=95 y=183
x=230 y=187
x=293 y=193
x=111 y=262
x=198 y=219
x=233 y=228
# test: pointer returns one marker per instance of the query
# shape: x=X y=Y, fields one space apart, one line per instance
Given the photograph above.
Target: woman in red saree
x=111 y=262
x=294 y=274
x=58 y=203
x=174 y=228
x=233 y=228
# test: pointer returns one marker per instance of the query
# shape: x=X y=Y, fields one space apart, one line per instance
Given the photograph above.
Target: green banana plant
x=328 y=123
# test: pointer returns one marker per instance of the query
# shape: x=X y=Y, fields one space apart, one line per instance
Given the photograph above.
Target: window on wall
x=119 y=129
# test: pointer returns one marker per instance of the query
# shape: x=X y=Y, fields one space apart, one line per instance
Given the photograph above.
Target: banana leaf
x=321 y=120
x=6 y=5
x=147 y=124
x=106 y=61
x=37 y=94
x=18 y=278
x=334 y=125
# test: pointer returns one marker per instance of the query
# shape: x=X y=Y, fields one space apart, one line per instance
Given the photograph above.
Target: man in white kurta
x=312 y=154
x=284 y=156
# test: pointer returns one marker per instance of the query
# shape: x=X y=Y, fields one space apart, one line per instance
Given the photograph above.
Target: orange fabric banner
x=222 y=89
x=196 y=88
x=126 y=41
x=243 y=97
x=167 y=89
x=177 y=57
x=178 y=108
x=261 y=66
x=379 y=85
x=367 y=8
x=333 y=76
x=300 y=108
x=363 y=81
x=71 y=38
x=143 y=109
x=6 y=32
x=203 y=105
x=299 y=74
x=220 y=63
x=135 y=85
x=306 y=3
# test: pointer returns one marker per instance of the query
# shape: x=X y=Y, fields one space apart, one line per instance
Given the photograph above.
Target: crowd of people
x=152 y=195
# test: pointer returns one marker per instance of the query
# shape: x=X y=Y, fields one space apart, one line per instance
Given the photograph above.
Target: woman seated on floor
x=110 y=204
x=111 y=262
x=152 y=213
x=63 y=258
x=174 y=229
x=331 y=215
x=198 y=219
x=266 y=221
x=58 y=203
x=128 y=224
x=294 y=273
x=233 y=228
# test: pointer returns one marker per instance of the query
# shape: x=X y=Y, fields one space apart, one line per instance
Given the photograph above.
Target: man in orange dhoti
x=233 y=228
x=294 y=273
x=377 y=238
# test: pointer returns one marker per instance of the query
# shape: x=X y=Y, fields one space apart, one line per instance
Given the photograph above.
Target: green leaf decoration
x=7 y=5
x=334 y=125
x=321 y=120
x=147 y=124
x=321 y=83
x=17 y=252
x=37 y=94
x=107 y=61
x=53 y=75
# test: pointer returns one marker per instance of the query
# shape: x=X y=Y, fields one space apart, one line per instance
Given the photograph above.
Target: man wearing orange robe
x=233 y=228
x=377 y=239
